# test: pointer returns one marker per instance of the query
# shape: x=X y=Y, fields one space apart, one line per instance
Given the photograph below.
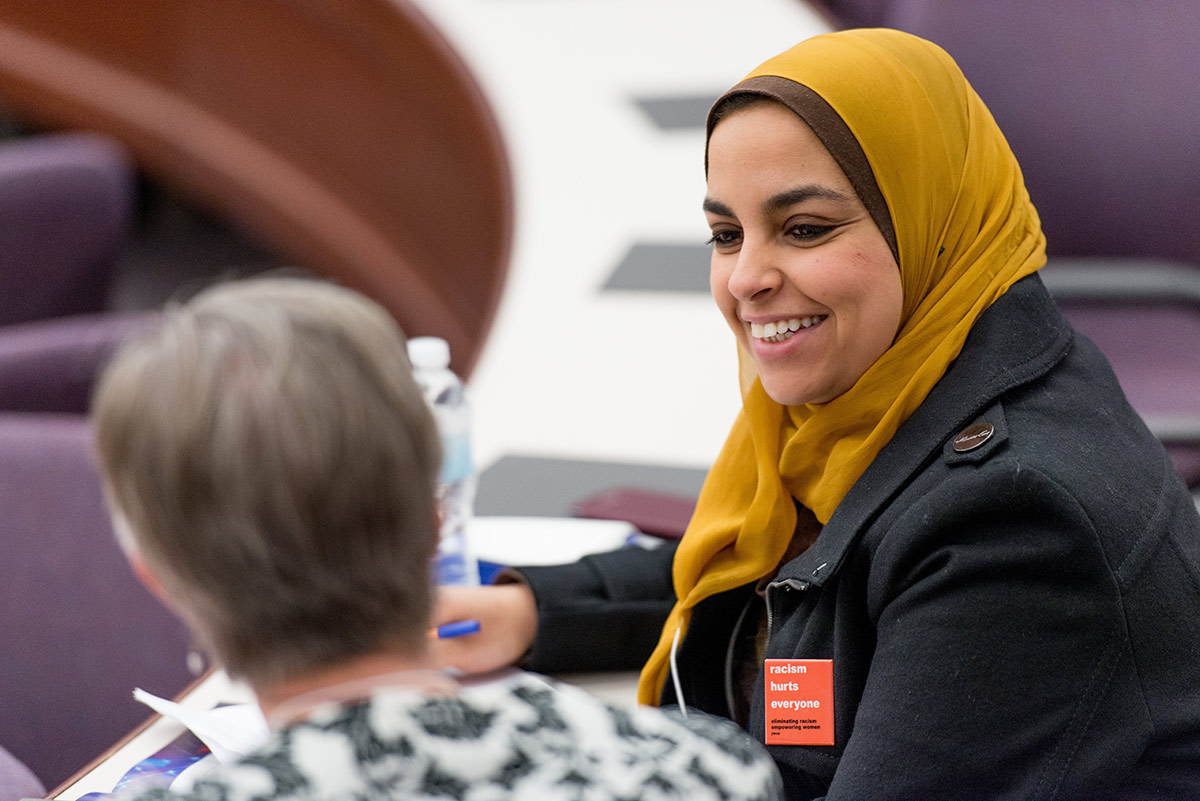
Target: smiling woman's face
x=799 y=269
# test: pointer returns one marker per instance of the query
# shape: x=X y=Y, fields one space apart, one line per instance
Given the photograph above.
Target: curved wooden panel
x=349 y=136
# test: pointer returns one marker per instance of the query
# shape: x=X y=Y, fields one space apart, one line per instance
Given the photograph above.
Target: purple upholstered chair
x=1101 y=104
x=851 y=13
x=77 y=631
x=51 y=365
x=16 y=780
x=66 y=203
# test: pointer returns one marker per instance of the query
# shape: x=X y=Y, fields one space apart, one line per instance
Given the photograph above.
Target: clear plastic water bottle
x=444 y=392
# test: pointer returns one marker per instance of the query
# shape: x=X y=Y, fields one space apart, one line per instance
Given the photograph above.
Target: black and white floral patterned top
x=523 y=737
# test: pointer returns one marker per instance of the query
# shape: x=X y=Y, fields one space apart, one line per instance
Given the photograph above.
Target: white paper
x=544 y=540
x=230 y=732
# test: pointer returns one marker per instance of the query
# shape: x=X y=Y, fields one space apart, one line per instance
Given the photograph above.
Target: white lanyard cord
x=675 y=674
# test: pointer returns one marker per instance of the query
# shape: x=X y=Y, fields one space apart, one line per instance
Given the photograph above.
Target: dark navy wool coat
x=1017 y=617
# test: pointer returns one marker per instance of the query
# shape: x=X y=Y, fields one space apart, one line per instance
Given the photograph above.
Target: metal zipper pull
x=787 y=584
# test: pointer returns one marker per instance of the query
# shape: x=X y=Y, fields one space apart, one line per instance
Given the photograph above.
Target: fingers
x=507 y=616
x=454 y=603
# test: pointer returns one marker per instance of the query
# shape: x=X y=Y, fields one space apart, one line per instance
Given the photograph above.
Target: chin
x=789 y=394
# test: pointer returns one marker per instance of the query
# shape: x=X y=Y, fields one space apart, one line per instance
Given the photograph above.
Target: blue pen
x=458 y=628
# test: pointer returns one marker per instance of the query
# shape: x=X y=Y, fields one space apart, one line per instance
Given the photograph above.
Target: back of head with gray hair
x=275 y=463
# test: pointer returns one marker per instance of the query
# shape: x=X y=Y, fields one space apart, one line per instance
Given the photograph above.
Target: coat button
x=973 y=436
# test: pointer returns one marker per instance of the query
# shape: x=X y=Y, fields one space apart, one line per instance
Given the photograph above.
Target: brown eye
x=724 y=239
x=807 y=233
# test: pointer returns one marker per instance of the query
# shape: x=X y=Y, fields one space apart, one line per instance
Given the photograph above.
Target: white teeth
x=783 y=329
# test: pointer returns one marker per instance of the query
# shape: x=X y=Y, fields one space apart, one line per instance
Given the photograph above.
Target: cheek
x=880 y=298
x=840 y=279
x=864 y=290
x=888 y=290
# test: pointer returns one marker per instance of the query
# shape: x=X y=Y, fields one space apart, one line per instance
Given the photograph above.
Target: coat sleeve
x=604 y=612
x=1001 y=666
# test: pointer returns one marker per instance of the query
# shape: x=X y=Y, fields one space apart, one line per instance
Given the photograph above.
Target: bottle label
x=456 y=456
x=455 y=568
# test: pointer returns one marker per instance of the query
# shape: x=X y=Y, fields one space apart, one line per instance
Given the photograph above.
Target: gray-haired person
x=269 y=463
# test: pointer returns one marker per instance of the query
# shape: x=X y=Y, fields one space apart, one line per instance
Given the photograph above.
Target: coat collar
x=1017 y=340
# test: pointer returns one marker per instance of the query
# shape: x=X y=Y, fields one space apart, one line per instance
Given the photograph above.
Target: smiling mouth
x=783 y=329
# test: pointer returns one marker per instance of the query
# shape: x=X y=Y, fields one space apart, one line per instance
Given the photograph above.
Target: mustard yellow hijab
x=940 y=181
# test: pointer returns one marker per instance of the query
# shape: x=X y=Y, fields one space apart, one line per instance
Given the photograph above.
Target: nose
x=754 y=277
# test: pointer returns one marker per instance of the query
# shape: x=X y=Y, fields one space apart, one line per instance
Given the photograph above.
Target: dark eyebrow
x=802 y=193
x=783 y=200
x=717 y=207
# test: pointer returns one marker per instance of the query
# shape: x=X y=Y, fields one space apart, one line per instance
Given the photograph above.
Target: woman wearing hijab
x=939 y=556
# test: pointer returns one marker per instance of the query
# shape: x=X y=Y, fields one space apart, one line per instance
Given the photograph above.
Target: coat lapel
x=1020 y=338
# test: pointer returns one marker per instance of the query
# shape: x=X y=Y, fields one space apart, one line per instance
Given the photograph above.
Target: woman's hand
x=507 y=616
